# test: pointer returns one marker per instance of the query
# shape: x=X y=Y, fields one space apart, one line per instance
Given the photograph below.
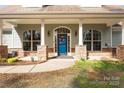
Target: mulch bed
x=21 y=63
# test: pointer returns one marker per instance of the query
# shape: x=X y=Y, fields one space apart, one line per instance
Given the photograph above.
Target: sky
x=85 y=3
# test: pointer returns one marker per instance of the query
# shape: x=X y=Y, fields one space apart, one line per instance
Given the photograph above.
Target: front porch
x=86 y=38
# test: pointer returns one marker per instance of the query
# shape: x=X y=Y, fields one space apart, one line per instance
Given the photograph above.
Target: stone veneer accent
x=20 y=51
x=72 y=49
x=81 y=52
x=3 y=51
x=120 y=52
x=42 y=53
x=30 y=53
x=99 y=53
x=106 y=49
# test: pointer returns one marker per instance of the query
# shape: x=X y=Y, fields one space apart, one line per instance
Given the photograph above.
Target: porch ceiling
x=62 y=21
x=46 y=21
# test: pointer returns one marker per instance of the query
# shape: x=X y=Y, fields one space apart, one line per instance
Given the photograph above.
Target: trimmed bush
x=11 y=60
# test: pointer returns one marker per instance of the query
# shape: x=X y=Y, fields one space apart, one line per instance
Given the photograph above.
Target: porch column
x=20 y=51
x=3 y=48
x=1 y=26
x=42 y=50
x=0 y=36
x=122 y=37
x=42 y=33
x=111 y=36
x=80 y=50
x=80 y=42
x=120 y=48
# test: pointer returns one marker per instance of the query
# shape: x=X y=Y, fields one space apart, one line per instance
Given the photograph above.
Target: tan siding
x=74 y=27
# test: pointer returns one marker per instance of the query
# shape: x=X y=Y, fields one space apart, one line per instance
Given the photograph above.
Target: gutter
x=51 y=15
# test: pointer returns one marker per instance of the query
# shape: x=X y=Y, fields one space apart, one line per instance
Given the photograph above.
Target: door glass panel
x=62 y=44
x=55 y=43
x=68 y=43
x=61 y=38
x=62 y=30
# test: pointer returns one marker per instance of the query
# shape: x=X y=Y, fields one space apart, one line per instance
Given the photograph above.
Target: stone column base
x=20 y=53
x=81 y=52
x=42 y=53
x=120 y=52
x=3 y=51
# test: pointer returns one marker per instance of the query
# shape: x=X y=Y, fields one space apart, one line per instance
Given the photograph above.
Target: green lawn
x=104 y=73
x=84 y=73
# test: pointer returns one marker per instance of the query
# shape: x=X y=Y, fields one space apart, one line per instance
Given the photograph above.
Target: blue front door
x=62 y=44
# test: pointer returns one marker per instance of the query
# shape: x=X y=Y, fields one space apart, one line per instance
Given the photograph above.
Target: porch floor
x=50 y=65
x=98 y=55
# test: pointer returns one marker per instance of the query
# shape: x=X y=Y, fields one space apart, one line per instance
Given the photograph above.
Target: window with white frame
x=7 y=38
x=116 y=35
x=92 y=39
x=31 y=39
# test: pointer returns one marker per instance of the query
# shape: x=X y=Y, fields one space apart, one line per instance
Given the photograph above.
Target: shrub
x=11 y=60
x=83 y=59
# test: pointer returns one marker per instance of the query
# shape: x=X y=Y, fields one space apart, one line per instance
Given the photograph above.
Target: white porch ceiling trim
x=66 y=15
x=63 y=21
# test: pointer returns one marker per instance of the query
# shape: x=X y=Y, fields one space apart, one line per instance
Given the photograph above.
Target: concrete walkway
x=50 y=65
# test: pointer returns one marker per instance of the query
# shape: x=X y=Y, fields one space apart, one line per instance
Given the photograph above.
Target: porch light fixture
x=107 y=45
x=48 y=33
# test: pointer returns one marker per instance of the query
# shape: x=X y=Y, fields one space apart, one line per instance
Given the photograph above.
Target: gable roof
x=62 y=9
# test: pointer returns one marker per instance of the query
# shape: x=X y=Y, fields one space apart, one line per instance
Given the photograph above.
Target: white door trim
x=55 y=36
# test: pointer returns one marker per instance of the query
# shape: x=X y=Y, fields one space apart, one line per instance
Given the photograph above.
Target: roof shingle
x=62 y=8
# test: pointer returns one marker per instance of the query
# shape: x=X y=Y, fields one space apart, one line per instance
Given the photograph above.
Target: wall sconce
x=76 y=33
x=107 y=45
x=48 y=33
